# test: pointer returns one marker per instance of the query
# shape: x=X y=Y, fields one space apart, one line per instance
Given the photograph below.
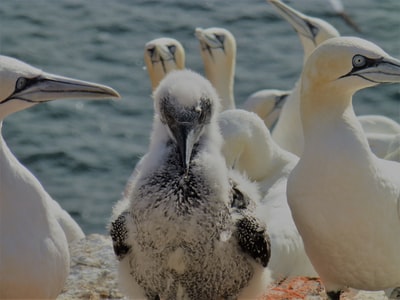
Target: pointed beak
x=298 y=20
x=186 y=136
x=385 y=70
x=47 y=87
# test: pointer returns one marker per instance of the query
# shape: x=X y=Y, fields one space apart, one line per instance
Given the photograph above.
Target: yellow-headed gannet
x=249 y=147
x=218 y=51
x=267 y=104
x=161 y=56
x=181 y=238
x=34 y=256
x=288 y=130
x=345 y=201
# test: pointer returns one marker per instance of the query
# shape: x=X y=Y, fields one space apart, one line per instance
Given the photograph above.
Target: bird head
x=161 y=56
x=186 y=104
x=22 y=85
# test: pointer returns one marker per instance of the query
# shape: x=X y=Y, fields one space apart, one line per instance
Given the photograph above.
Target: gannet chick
x=288 y=131
x=345 y=200
x=218 y=51
x=248 y=147
x=161 y=56
x=267 y=104
x=181 y=238
x=34 y=256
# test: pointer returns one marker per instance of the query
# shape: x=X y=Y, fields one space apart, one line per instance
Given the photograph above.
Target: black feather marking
x=238 y=199
x=253 y=239
x=119 y=235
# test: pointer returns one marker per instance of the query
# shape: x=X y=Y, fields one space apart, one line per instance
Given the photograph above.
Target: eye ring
x=220 y=37
x=359 y=61
x=21 y=84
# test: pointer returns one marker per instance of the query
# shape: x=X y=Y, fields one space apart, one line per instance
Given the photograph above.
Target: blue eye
x=359 y=61
x=172 y=49
x=21 y=83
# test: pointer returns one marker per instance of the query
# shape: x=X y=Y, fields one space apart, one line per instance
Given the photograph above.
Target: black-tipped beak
x=186 y=135
x=47 y=87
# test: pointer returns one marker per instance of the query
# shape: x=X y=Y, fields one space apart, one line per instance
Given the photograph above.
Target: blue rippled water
x=83 y=151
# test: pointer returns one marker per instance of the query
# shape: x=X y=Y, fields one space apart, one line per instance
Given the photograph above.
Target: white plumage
x=249 y=147
x=218 y=51
x=267 y=104
x=34 y=229
x=288 y=131
x=345 y=200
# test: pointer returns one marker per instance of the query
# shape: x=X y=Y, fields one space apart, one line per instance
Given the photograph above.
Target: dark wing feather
x=253 y=239
x=119 y=235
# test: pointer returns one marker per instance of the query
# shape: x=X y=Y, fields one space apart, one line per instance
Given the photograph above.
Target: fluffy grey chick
x=179 y=237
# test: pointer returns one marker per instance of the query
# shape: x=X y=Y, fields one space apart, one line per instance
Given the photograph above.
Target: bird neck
x=20 y=191
x=221 y=75
x=329 y=122
x=288 y=131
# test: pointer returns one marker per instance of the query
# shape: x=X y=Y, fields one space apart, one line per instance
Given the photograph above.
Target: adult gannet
x=288 y=130
x=249 y=147
x=180 y=238
x=218 y=51
x=267 y=104
x=345 y=201
x=34 y=256
x=161 y=56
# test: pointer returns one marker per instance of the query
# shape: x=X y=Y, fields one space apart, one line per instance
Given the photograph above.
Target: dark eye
x=172 y=49
x=21 y=84
x=359 y=61
x=314 y=30
x=220 y=38
x=150 y=51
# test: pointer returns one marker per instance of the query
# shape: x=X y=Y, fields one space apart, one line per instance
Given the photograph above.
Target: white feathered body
x=345 y=202
x=34 y=256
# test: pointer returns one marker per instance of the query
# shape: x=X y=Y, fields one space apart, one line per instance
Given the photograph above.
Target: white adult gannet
x=161 y=56
x=180 y=238
x=34 y=256
x=267 y=104
x=288 y=130
x=249 y=147
x=345 y=201
x=218 y=51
